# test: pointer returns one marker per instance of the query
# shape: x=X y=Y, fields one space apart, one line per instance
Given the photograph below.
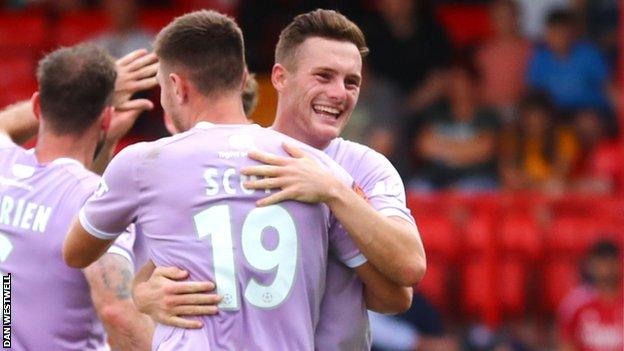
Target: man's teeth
x=327 y=109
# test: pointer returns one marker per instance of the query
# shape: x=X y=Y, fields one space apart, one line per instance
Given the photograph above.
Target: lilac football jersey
x=51 y=304
x=185 y=193
x=344 y=321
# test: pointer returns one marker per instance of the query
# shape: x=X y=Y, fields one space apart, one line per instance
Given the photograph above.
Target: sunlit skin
x=319 y=91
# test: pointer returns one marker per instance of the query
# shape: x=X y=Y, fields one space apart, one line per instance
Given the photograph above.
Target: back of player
x=268 y=263
x=51 y=305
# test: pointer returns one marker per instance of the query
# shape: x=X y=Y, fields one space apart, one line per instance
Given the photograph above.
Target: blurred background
x=503 y=117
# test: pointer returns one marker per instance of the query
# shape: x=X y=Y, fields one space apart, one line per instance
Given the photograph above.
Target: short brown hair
x=75 y=85
x=327 y=24
x=208 y=46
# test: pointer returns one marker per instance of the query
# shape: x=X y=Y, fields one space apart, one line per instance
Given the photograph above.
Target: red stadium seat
x=18 y=79
x=573 y=235
x=559 y=277
x=513 y=287
x=480 y=289
x=521 y=235
x=465 y=24
x=435 y=284
x=22 y=33
x=439 y=237
x=78 y=26
x=153 y=20
x=479 y=233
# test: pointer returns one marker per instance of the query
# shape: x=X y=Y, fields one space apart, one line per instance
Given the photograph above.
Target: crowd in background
x=530 y=103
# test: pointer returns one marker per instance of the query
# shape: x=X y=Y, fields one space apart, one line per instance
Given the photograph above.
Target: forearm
x=127 y=328
x=391 y=244
x=381 y=294
x=18 y=122
x=110 y=280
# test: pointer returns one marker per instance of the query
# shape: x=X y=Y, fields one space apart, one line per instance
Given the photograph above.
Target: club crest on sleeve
x=359 y=191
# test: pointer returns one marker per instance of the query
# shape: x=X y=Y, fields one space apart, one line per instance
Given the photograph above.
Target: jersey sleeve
x=382 y=186
x=113 y=206
x=124 y=244
x=340 y=241
x=343 y=247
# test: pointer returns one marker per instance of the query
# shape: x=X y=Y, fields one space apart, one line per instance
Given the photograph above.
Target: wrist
x=335 y=192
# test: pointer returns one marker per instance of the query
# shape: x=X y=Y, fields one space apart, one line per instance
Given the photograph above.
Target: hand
x=299 y=177
x=123 y=120
x=164 y=298
x=135 y=72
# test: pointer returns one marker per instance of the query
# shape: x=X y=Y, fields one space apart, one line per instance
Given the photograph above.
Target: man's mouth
x=328 y=111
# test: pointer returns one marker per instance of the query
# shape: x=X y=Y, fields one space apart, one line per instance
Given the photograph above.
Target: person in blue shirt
x=571 y=70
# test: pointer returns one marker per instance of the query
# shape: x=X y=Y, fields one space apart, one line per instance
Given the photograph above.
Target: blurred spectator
x=409 y=48
x=591 y=316
x=599 y=166
x=125 y=35
x=533 y=15
x=572 y=71
x=600 y=23
x=377 y=116
x=420 y=328
x=536 y=153
x=503 y=59
x=458 y=140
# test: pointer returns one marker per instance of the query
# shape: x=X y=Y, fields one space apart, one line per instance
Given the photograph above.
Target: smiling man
x=187 y=196
x=317 y=75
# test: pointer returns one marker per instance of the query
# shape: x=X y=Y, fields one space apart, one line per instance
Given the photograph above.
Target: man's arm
x=381 y=294
x=80 y=248
x=390 y=243
x=18 y=122
x=110 y=281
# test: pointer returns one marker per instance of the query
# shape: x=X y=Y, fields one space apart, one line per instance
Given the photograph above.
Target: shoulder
x=82 y=181
x=6 y=143
x=364 y=164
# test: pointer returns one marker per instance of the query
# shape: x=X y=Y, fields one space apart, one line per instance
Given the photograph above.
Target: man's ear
x=180 y=87
x=107 y=116
x=245 y=76
x=35 y=102
x=279 y=77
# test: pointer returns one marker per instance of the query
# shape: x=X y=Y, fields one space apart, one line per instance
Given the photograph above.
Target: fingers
x=275 y=198
x=189 y=287
x=144 y=72
x=267 y=183
x=261 y=171
x=182 y=322
x=143 y=84
x=174 y=273
x=194 y=299
x=131 y=57
x=191 y=310
x=141 y=62
x=293 y=150
x=267 y=158
x=136 y=104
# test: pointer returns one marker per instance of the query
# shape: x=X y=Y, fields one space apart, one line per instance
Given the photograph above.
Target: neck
x=50 y=147
x=226 y=109
x=281 y=125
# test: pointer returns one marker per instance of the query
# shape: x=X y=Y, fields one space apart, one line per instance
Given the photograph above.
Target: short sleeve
x=382 y=185
x=340 y=241
x=113 y=206
x=124 y=244
x=343 y=247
